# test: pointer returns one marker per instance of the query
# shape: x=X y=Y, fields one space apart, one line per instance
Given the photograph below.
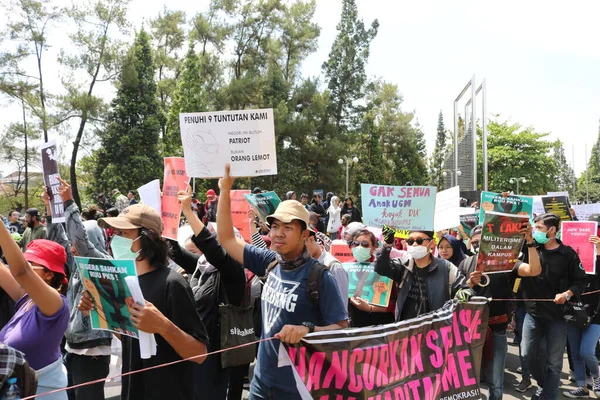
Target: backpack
x=312 y=288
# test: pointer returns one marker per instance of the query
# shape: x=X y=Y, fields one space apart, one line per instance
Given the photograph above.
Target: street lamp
x=452 y=183
x=518 y=180
x=348 y=159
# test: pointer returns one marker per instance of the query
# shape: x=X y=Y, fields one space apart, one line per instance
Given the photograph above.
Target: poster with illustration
x=264 y=203
x=51 y=176
x=501 y=242
x=245 y=139
x=105 y=281
x=400 y=207
x=577 y=235
x=468 y=222
x=505 y=203
x=558 y=205
x=365 y=283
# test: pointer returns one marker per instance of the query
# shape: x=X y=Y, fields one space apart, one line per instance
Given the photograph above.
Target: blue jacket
x=443 y=280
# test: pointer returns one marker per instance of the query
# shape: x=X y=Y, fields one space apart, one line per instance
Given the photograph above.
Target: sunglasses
x=419 y=241
x=364 y=244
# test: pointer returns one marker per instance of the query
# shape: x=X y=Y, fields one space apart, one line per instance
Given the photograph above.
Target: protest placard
x=584 y=211
x=239 y=213
x=175 y=179
x=577 y=235
x=150 y=195
x=51 y=175
x=245 y=139
x=365 y=283
x=263 y=203
x=341 y=251
x=538 y=206
x=510 y=204
x=447 y=209
x=104 y=279
x=558 y=205
x=468 y=222
x=401 y=207
x=501 y=242
x=433 y=356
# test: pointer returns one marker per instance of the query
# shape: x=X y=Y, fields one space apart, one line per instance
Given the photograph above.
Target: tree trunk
x=26 y=156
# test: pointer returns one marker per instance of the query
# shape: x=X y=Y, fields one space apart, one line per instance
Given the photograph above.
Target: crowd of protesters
x=45 y=305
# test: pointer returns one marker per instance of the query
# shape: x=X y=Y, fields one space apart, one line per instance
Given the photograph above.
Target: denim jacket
x=443 y=280
x=79 y=334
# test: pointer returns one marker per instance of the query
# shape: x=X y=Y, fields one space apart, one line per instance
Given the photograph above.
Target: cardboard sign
x=576 y=234
x=447 y=209
x=263 y=203
x=365 y=283
x=245 y=139
x=501 y=242
x=51 y=175
x=468 y=222
x=239 y=213
x=558 y=205
x=511 y=204
x=401 y=207
x=104 y=279
x=175 y=179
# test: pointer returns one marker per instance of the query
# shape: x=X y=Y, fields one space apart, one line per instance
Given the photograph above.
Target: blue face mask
x=121 y=248
x=541 y=237
x=362 y=254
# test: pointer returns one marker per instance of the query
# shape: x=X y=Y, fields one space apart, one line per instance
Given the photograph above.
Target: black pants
x=81 y=369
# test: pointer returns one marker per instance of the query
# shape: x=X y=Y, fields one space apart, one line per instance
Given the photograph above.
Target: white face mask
x=418 y=252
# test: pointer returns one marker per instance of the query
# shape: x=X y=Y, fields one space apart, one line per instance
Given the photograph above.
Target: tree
x=514 y=152
x=129 y=153
x=588 y=184
x=436 y=163
x=565 y=177
x=97 y=57
x=29 y=21
x=345 y=69
x=169 y=37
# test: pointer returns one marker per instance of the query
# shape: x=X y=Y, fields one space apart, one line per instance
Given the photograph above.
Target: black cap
x=476 y=230
x=257 y=190
x=34 y=212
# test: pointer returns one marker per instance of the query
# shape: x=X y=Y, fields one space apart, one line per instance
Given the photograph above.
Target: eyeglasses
x=419 y=241
x=364 y=244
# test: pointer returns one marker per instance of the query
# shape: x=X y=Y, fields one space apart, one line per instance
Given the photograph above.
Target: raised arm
x=9 y=284
x=45 y=297
x=225 y=233
x=534 y=266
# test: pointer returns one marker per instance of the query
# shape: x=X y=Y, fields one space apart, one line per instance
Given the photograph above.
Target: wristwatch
x=567 y=296
x=532 y=244
x=310 y=326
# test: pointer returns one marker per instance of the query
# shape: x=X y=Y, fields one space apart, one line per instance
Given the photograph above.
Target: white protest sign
x=245 y=139
x=538 y=206
x=150 y=195
x=466 y=210
x=447 y=207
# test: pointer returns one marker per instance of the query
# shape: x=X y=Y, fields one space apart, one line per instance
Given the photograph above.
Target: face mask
x=121 y=248
x=418 y=252
x=541 y=237
x=362 y=254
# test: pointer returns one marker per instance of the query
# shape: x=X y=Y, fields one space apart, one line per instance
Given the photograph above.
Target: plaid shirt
x=13 y=363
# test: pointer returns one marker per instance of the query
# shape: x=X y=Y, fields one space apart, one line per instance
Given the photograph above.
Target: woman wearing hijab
x=450 y=248
x=334 y=218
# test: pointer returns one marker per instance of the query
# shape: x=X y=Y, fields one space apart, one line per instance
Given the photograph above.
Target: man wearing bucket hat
x=288 y=314
x=169 y=311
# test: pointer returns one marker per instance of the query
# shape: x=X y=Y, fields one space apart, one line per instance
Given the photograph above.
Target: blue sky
x=541 y=58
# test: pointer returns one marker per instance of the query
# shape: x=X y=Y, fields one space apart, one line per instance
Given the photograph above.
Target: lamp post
x=517 y=181
x=348 y=159
x=452 y=182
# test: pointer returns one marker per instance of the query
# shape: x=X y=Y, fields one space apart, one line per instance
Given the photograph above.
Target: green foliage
x=440 y=152
x=129 y=153
x=513 y=153
x=565 y=177
x=588 y=184
x=345 y=68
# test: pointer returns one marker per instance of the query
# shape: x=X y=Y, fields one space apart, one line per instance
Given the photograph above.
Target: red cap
x=48 y=254
x=211 y=192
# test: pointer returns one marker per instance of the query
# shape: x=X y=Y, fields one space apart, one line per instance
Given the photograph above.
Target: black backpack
x=312 y=288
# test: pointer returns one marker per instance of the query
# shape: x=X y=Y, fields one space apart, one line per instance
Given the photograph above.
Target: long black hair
x=153 y=248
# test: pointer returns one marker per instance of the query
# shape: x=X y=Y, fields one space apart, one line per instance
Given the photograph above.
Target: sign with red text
x=433 y=356
x=576 y=234
x=175 y=179
x=401 y=207
x=245 y=139
x=341 y=251
x=501 y=241
x=239 y=213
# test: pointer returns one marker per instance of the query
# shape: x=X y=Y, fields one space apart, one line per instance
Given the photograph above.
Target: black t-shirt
x=417 y=301
x=171 y=294
x=16 y=227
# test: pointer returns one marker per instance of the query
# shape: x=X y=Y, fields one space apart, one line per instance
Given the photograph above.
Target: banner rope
x=145 y=369
x=523 y=300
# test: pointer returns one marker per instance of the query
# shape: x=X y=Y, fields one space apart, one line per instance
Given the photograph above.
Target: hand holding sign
x=596 y=240
x=64 y=190
x=185 y=198
x=45 y=197
x=527 y=231
x=226 y=182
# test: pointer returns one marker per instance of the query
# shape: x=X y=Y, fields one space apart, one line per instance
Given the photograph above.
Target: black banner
x=434 y=356
x=51 y=175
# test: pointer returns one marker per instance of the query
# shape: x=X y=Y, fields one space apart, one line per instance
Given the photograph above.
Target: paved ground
x=113 y=389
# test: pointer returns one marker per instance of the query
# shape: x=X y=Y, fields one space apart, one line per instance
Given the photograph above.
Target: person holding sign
x=499 y=286
x=562 y=278
x=290 y=309
x=169 y=311
x=425 y=282
x=42 y=313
